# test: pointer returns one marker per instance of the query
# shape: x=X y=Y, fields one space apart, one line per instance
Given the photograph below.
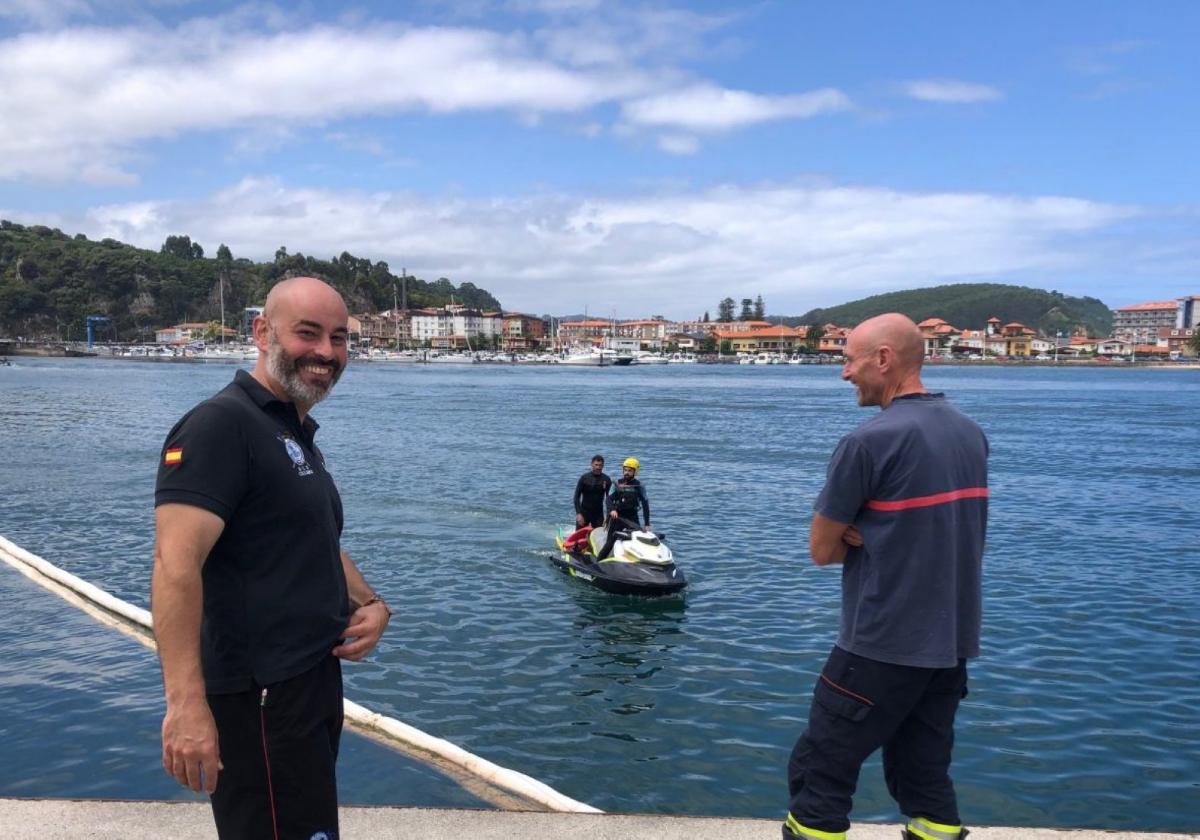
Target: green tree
x=725 y=310
x=726 y=347
x=760 y=308
x=1195 y=342
x=224 y=254
x=708 y=344
x=747 y=310
x=815 y=333
x=182 y=247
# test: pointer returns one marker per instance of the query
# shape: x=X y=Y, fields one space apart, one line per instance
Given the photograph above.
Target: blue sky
x=630 y=158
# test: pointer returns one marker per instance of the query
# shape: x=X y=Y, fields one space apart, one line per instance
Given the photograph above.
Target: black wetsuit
x=625 y=499
x=590 y=493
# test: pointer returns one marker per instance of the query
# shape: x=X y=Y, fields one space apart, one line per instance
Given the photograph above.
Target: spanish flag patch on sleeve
x=173 y=456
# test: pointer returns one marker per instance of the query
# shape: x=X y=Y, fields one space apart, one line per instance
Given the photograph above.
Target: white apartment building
x=1142 y=321
x=455 y=327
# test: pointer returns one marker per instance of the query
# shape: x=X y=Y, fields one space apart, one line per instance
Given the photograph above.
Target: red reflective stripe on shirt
x=929 y=501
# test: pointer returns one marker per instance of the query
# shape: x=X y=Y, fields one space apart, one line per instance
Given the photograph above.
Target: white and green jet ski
x=640 y=564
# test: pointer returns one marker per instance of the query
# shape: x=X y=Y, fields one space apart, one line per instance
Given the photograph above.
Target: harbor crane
x=92 y=320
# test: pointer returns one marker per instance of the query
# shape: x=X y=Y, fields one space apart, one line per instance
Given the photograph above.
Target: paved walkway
x=62 y=819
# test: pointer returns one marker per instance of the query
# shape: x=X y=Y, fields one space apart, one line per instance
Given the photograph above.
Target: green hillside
x=970 y=305
x=50 y=282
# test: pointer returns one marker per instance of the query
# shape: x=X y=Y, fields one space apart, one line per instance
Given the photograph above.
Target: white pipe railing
x=399 y=734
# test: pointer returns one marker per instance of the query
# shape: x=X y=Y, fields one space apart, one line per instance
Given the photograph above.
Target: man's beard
x=285 y=370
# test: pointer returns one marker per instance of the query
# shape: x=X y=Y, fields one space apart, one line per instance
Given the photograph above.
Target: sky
x=627 y=159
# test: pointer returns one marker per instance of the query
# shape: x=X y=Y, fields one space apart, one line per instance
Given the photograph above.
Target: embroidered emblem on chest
x=296 y=453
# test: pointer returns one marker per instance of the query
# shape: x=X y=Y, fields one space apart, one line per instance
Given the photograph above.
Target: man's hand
x=190 y=747
x=579 y=520
x=852 y=537
x=612 y=514
x=362 y=633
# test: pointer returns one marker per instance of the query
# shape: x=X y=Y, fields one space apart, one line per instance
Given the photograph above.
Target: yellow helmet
x=633 y=463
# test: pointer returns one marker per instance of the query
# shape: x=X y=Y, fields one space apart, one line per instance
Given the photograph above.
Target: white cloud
x=799 y=245
x=707 y=108
x=1101 y=59
x=87 y=96
x=951 y=91
x=679 y=144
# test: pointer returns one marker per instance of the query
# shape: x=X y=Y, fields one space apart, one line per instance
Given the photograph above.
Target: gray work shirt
x=913 y=481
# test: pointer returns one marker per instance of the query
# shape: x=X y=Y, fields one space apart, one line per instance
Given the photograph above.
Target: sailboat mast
x=221 y=282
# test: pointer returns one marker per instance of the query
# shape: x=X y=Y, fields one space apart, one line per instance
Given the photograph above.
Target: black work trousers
x=279 y=746
x=860 y=705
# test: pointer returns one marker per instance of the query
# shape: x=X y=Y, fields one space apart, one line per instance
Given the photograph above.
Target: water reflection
x=625 y=653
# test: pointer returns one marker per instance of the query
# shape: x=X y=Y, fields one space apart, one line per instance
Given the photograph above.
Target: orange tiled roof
x=763 y=332
x=1154 y=305
x=931 y=322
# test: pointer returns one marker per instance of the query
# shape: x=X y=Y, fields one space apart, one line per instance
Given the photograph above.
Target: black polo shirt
x=275 y=599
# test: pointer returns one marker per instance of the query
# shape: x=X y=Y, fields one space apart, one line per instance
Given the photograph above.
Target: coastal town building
x=1187 y=313
x=833 y=340
x=192 y=331
x=455 y=327
x=651 y=334
x=685 y=341
x=522 y=332
x=1177 y=340
x=769 y=339
x=1017 y=339
x=583 y=332
x=696 y=328
x=940 y=337
x=1142 y=321
x=392 y=327
x=248 y=316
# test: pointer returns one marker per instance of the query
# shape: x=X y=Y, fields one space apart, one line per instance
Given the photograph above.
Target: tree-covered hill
x=970 y=305
x=50 y=282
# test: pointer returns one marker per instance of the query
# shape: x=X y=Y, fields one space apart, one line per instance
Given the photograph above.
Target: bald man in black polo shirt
x=254 y=601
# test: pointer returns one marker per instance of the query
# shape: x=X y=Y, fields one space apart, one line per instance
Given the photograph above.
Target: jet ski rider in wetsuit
x=590 y=492
x=623 y=504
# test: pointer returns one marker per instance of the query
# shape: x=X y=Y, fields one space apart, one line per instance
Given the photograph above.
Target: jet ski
x=640 y=564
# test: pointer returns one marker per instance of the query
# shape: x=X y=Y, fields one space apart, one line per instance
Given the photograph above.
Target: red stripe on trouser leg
x=262 y=717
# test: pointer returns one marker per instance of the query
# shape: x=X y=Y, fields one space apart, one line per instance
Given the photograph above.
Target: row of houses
x=1019 y=341
x=1154 y=328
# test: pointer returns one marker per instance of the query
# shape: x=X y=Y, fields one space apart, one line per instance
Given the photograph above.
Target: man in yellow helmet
x=627 y=495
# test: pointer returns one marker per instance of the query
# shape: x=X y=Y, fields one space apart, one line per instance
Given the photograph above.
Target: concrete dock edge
x=66 y=819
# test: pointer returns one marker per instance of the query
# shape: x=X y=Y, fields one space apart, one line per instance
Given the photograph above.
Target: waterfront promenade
x=58 y=819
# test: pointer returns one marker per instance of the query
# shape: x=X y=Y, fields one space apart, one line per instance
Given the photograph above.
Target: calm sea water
x=1083 y=709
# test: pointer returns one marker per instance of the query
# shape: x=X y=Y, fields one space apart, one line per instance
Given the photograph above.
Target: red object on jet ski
x=578 y=540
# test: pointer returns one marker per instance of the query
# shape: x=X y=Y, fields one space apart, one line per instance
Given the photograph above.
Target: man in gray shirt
x=904 y=511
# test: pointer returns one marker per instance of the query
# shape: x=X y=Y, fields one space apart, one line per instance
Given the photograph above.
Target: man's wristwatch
x=375 y=599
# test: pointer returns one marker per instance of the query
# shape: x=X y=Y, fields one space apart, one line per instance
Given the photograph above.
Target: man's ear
x=262 y=331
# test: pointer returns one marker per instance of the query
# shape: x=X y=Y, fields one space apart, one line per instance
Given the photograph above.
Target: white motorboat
x=647 y=358
x=590 y=358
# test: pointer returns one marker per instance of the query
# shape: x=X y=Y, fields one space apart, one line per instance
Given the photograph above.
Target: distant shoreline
x=62 y=351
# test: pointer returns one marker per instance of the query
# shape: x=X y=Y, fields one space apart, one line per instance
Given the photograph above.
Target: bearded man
x=254 y=601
